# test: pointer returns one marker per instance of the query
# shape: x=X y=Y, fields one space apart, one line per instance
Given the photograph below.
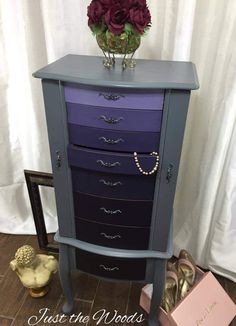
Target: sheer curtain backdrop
x=34 y=33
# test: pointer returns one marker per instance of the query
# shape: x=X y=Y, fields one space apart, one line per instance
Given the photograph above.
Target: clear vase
x=113 y=45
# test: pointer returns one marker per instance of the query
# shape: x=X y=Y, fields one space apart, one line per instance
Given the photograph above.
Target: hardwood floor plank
x=133 y=302
x=84 y=286
x=31 y=306
x=81 y=310
x=12 y=289
x=230 y=287
x=5 y=321
x=110 y=296
x=9 y=244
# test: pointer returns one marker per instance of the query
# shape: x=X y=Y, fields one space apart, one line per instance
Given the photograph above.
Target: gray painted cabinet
x=114 y=209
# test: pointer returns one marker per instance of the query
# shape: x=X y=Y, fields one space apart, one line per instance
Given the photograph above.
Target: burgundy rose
x=137 y=3
x=140 y=18
x=116 y=17
x=106 y=3
x=95 y=12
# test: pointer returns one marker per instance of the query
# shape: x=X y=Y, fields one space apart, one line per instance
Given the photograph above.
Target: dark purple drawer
x=112 y=236
x=113 y=185
x=112 y=162
x=115 y=140
x=111 y=98
x=114 y=118
x=115 y=268
x=113 y=211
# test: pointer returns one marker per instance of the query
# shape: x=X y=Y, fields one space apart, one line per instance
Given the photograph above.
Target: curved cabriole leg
x=65 y=277
x=158 y=287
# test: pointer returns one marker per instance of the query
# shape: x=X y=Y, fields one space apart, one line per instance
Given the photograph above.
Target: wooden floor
x=91 y=294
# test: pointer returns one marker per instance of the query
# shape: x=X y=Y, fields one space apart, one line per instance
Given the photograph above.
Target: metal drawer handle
x=108 y=211
x=110 y=120
x=111 y=97
x=107 y=164
x=110 y=184
x=110 y=237
x=109 y=269
x=111 y=141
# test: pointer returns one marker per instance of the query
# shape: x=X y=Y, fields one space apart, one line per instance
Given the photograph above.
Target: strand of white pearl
x=139 y=167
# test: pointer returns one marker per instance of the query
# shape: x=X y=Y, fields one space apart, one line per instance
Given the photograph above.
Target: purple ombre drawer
x=115 y=118
x=114 y=140
x=104 y=161
x=115 y=99
x=113 y=185
x=113 y=211
x=112 y=235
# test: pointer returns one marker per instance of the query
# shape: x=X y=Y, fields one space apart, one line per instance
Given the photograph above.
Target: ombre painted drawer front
x=112 y=236
x=115 y=268
x=113 y=211
x=104 y=161
x=113 y=185
x=115 y=118
x=115 y=98
x=114 y=140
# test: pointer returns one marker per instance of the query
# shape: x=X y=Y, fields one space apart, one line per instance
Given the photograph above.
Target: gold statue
x=34 y=270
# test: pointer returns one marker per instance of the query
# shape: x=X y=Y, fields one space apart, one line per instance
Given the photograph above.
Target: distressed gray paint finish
x=148 y=74
x=58 y=140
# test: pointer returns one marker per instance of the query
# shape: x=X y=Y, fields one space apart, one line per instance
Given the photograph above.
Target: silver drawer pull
x=110 y=120
x=111 y=141
x=110 y=183
x=109 y=269
x=111 y=97
x=110 y=237
x=108 y=211
x=107 y=164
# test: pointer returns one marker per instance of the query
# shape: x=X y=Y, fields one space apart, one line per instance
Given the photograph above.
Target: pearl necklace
x=139 y=167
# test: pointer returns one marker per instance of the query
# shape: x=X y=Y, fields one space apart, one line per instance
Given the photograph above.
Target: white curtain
x=34 y=33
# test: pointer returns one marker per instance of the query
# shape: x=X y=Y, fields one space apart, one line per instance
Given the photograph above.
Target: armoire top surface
x=148 y=74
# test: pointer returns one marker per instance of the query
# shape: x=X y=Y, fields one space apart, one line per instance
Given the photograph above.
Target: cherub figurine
x=34 y=270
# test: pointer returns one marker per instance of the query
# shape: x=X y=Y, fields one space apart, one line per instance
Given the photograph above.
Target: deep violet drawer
x=114 y=118
x=113 y=185
x=115 y=140
x=112 y=98
x=112 y=236
x=112 y=162
x=113 y=211
x=115 y=268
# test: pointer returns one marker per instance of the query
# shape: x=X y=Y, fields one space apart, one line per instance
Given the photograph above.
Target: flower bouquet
x=118 y=26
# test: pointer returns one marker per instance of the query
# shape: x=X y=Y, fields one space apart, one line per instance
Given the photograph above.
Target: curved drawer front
x=113 y=211
x=113 y=185
x=115 y=140
x=111 y=98
x=115 y=118
x=116 y=268
x=105 y=161
x=112 y=236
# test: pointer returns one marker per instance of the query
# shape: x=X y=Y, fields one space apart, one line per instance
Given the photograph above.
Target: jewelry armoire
x=115 y=139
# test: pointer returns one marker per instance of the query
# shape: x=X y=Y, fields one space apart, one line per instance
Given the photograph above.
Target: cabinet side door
x=58 y=140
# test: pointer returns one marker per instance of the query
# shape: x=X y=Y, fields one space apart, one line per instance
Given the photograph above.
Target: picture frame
x=34 y=179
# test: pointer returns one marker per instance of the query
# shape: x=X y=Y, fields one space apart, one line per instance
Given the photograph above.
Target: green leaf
x=98 y=28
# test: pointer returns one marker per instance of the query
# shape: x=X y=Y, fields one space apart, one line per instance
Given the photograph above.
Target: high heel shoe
x=186 y=273
x=171 y=288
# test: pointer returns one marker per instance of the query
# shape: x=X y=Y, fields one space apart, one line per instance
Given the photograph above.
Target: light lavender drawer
x=114 y=119
x=111 y=98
